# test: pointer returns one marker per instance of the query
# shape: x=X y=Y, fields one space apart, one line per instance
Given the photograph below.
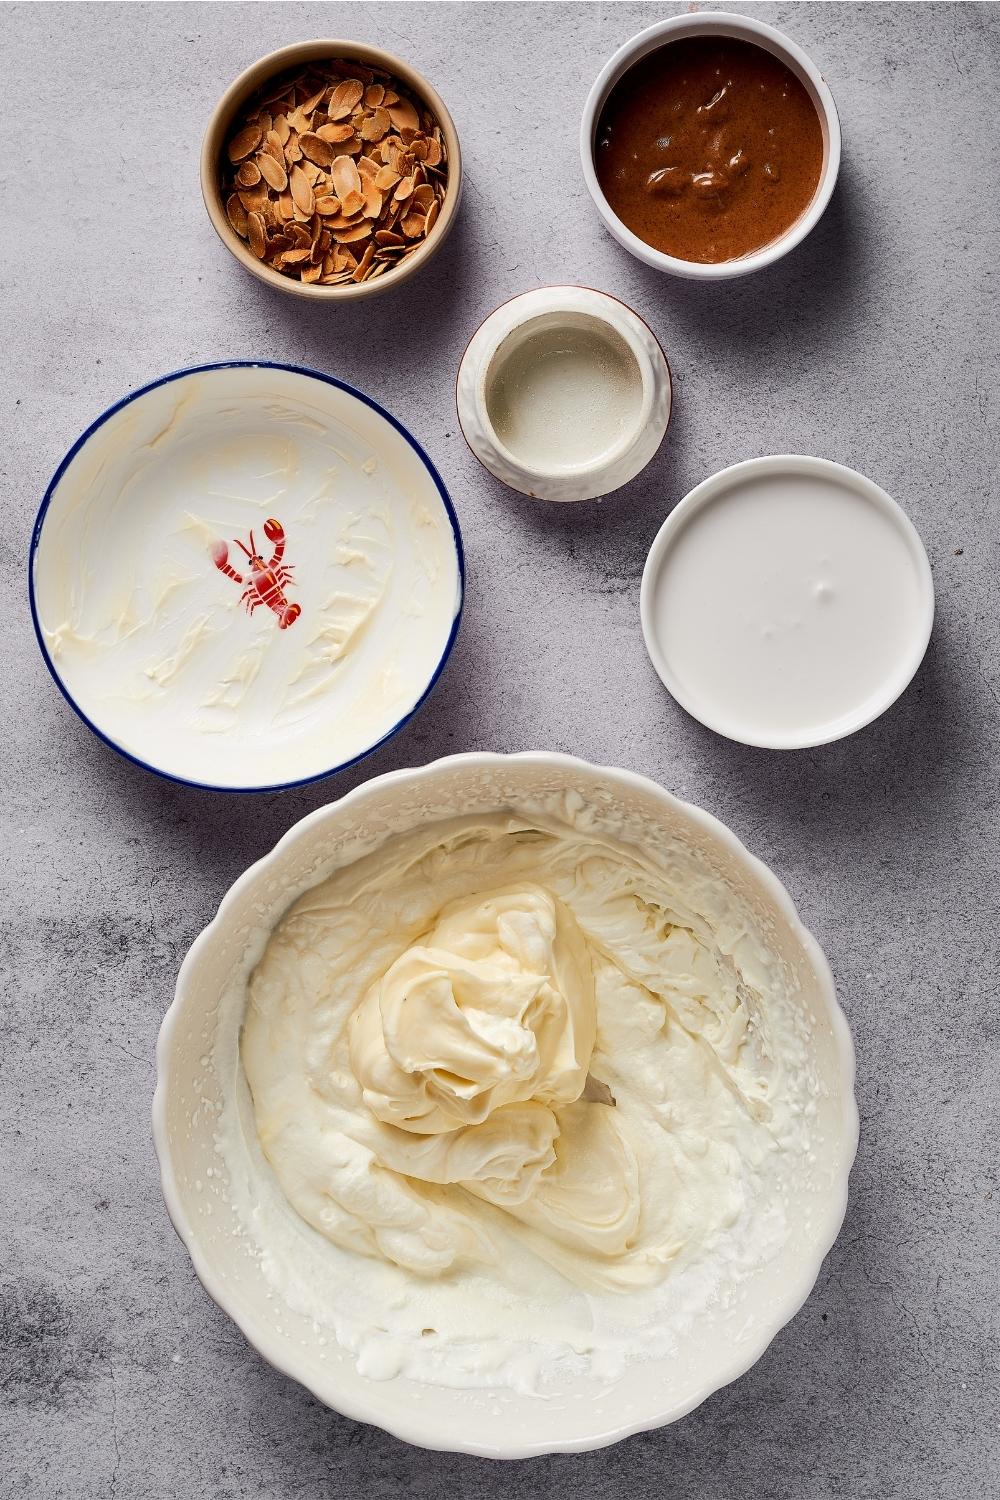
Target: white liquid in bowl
x=788 y=608
x=561 y=395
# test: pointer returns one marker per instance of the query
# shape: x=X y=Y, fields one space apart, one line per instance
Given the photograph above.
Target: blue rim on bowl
x=244 y=364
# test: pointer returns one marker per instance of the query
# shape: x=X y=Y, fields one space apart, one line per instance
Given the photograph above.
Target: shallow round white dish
x=564 y=394
x=786 y=602
x=747 y=29
x=190 y=1093
x=246 y=576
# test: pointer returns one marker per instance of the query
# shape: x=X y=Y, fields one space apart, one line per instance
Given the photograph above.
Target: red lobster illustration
x=267 y=581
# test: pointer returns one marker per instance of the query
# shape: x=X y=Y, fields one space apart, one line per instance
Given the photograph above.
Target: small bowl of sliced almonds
x=331 y=169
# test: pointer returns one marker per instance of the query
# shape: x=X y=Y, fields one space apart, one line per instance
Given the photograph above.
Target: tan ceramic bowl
x=254 y=78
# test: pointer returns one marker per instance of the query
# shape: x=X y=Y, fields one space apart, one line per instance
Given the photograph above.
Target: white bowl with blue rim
x=246 y=576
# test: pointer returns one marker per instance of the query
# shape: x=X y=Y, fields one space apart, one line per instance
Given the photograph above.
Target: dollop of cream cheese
x=496 y=1036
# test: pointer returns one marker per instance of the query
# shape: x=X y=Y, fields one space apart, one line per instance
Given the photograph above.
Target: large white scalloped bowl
x=723 y=1342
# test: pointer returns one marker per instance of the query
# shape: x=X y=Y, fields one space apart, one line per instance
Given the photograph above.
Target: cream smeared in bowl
x=246 y=576
x=526 y=1085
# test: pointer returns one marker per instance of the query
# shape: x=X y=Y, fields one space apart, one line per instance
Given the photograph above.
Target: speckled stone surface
x=874 y=344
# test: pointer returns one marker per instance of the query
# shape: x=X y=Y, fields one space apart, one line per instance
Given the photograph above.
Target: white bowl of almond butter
x=331 y=170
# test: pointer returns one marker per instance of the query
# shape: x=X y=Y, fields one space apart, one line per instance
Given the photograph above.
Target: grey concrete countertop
x=874 y=344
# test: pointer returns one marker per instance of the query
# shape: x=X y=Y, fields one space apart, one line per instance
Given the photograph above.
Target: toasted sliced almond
x=255 y=234
x=365 y=262
x=253 y=198
x=298 y=120
x=243 y=142
x=335 y=133
x=344 y=97
x=330 y=159
x=272 y=172
x=308 y=105
x=352 y=234
x=345 y=177
x=237 y=214
x=403 y=115
x=385 y=178
x=316 y=149
x=302 y=193
x=274 y=146
x=375 y=126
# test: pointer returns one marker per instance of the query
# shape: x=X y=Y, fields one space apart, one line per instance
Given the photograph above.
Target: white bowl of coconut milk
x=787 y=601
x=458 y=1359
x=564 y=394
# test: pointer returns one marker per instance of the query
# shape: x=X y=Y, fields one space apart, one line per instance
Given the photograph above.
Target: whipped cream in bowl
x=507 y=1104
x=246 y=576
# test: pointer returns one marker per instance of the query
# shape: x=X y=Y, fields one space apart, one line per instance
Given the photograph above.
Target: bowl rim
x=709 y=489
x=244 y=364
x=657 y=387
x=742 y=27
x=410 y=1428
x=253 y=77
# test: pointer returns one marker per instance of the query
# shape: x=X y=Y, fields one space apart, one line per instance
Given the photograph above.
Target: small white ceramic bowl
x=203 y=663
x=580 y=461
x=786 y=602
x=202 y=1026
x=746 y=29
